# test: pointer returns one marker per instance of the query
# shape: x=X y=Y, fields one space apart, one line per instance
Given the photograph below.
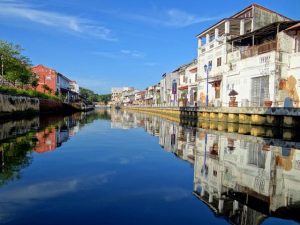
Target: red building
x=50 y=81
x=46 y=76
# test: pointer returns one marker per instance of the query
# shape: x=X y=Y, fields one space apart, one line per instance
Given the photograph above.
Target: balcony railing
x=258 y=49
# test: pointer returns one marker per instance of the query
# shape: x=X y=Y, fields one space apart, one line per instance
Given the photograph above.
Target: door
x=259 y=90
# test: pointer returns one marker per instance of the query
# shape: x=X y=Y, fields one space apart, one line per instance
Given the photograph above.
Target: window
x=210 y=63
x=219 y=61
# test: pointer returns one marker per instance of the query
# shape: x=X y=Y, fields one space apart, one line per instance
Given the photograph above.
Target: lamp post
x=207 y=69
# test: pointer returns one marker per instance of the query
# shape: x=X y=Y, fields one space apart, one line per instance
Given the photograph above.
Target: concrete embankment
x=15 y=105
x=167 y=113
x=261 y=116
x=20 y=106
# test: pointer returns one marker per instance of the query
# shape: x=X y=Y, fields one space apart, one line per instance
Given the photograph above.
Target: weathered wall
x=10 y=104
x=289 y=83
x=54 y=106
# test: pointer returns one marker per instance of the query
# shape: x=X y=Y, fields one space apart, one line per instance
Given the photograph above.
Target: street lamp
x=207 y=69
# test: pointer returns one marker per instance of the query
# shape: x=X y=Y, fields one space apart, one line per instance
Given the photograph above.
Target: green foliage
x=104 y=98
x=34 y=82
x=47 y=88
x=28 y=93
x=17 y=156
x=93 y=97
x=16 y=67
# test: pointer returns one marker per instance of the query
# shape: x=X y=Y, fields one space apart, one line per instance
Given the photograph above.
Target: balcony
x=259 y=49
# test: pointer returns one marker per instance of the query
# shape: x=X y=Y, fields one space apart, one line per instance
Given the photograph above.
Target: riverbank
x=14 y=106
x=262 y=116
x=172 y=114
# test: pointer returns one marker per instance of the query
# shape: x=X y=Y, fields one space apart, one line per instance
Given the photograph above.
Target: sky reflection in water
x=97 y=169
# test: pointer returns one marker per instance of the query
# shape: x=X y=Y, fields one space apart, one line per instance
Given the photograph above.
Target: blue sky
x=107 y=43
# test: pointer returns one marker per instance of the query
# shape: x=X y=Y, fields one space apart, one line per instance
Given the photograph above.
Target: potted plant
x=232 y=95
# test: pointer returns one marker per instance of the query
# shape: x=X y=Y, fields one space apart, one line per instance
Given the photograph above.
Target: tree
x=16 y=67
x=34 y=82
x=93 y=97
x=104 y=98
x=47 y=88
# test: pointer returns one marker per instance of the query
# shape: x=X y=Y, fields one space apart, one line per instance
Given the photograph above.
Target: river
x=120 y=167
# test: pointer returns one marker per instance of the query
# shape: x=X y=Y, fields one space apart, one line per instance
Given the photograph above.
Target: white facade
x=167 y=96
x=192 y=79
x=74 y=86
x=268 y=72
x=118 y=94
x=228 y=72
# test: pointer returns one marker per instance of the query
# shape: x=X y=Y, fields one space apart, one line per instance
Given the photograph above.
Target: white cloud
x=168 y=194
x=179 y=18
x=132 y=53
x=73 y=24
x=120 y=54
x=169 y=18
x=19 y=198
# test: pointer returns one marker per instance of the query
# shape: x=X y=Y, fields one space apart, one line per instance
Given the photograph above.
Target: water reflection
x=19 y=139
x=243 y=178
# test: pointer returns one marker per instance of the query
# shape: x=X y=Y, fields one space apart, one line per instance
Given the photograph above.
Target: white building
x=192 y=80
x=117 y=96
x=263 y=67
x=213 y=49
x=168 y=89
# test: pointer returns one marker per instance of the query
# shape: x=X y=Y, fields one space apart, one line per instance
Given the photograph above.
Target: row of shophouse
x=244 y=179
x=55 y=83
x=251 y=58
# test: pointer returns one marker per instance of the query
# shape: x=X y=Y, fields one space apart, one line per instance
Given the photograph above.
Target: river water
x=131 y=168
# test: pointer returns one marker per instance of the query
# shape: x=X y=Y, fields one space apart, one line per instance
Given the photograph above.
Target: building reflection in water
x=243 y=178
x=18 y=139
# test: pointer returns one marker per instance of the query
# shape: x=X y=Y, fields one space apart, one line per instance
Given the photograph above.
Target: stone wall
x=12 y=104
